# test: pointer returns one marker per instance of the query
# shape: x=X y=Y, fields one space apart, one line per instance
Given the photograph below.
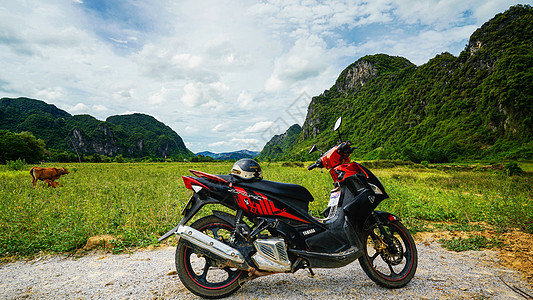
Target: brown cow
x=51 y=183
x=46 y=174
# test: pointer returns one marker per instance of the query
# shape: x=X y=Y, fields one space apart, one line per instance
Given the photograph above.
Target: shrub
x=293 y=164
x=119 y=159
x=476 y=243
x=20 y=146
x=512 y=168
x=16 y=165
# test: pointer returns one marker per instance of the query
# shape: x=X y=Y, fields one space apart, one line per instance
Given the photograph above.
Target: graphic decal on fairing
x=259 y=204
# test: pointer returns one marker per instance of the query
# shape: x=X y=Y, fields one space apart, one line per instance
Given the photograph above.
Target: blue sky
x=224 y=74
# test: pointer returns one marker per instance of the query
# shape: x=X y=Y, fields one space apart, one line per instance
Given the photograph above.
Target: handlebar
x=345 y=148
x=317 y=164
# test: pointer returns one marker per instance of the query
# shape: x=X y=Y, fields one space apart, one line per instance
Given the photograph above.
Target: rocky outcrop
x=356 y=76
x=105 y=144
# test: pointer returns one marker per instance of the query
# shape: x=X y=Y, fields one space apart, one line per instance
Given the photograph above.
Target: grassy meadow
x=138 y=202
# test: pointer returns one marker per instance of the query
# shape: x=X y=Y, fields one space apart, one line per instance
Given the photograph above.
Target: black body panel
x=294 y=197
x=287 y=190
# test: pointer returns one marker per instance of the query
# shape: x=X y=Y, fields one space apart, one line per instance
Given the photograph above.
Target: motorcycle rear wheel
x=198 y=273
x=390 y=267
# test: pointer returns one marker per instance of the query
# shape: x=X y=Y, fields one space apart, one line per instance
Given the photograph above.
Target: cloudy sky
x=224 y=74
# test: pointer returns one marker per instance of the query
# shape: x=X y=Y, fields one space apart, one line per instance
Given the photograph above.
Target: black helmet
x=247 y=169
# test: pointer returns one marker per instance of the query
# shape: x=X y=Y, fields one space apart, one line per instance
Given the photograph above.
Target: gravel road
x=150 y=274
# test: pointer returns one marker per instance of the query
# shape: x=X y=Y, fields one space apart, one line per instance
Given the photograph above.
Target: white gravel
x=149 y=274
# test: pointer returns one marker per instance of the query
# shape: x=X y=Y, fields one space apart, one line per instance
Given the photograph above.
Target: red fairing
x=348 y=170
x=260 y=205
x=208 y=176
x=189 y=181
x=333 y=158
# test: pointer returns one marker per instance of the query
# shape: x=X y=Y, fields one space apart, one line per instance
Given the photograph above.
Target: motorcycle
x=273 y=232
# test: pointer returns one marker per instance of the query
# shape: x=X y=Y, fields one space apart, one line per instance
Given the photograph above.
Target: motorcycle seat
x=273 y=188
x=285 y=190
x=279 y=189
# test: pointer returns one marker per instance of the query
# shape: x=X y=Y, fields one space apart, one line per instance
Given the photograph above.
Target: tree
x=22 y=145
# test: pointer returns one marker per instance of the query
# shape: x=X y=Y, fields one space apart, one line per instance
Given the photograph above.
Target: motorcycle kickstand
x=238 y=219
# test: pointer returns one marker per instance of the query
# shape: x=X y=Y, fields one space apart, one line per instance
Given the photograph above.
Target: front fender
x=383 y=216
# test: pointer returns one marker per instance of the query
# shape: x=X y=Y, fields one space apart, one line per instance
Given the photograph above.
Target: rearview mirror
x=337 y=124
x=313 y=149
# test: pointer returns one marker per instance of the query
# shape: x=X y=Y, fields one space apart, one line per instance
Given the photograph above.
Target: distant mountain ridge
x=478 y=105
x=135 y=135
x=235 y=155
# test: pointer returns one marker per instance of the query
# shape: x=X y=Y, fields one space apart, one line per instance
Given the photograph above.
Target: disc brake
x=392 y=254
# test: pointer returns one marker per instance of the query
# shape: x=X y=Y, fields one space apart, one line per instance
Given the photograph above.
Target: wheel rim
x=394 y=263
x=202 y=270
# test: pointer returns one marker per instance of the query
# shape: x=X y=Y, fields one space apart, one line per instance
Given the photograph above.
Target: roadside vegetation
x=138 y=202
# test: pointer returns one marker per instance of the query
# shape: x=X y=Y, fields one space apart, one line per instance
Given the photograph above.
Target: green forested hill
x=156 y=136
x=475 y=106
x=134 y=135
x=280 y=144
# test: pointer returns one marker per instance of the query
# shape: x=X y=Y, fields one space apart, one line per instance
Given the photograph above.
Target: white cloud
x=79 y=108
x=204 y=95
x=186 y=61
x=217 y=144
x=51 y=93
x=159 y=97
x=259 y=127
x=308 y=58
x=245 y=99
x=245 y=143
x=123 y=95
x=100 y=108
x=193 y=94
x=440 y=14
x=191 y=129
x=220 y=127
x=212 y=62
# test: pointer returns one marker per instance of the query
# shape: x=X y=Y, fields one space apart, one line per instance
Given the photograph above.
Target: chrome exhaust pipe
x=201 y=243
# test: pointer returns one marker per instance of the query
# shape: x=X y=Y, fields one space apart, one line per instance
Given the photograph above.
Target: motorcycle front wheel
x=198 y=273
x=391 y=266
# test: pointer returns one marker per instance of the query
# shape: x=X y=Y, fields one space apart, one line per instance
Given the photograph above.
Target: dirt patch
x=100 y=241
x=516 y=251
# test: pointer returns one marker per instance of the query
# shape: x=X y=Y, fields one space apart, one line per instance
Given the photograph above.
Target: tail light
x=193 y=184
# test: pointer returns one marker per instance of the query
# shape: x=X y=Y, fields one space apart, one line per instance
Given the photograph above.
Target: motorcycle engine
x=271 y=255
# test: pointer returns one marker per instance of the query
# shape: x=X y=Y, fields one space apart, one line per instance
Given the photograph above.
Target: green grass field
x=139 y=202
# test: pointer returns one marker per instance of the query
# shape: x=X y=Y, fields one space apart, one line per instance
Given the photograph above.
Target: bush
x=63 y=156
x=22 y=145
x=16 y=165
x=476 y=243
x=512 y=168
x=293 y=164
x=119 y=159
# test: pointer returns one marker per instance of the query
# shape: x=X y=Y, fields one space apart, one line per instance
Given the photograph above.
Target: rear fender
x=195 y=203
x=225 y=216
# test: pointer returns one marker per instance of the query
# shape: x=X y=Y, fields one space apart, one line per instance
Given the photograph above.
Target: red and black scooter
x=272 y=231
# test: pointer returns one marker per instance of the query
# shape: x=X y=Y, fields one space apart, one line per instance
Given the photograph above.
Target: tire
x=198 y=274
x=390 y=268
